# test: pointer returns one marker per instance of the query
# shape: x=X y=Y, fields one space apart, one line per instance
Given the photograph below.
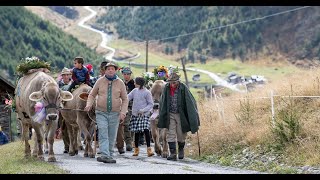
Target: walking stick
x=198 y=143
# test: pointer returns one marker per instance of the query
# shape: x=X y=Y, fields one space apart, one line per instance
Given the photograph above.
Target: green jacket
x=187 y=108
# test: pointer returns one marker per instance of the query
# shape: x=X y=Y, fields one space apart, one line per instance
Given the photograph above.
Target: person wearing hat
x=65 y=81
x=178 y=113
x=123 y=131
x=111 y=107
x=64 y=84
x=3 y=137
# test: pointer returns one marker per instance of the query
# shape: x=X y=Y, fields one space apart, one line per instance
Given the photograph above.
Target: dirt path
x=127 y=164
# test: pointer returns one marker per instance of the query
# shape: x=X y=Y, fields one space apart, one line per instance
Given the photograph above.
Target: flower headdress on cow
x=29 y=65
x=158 y=73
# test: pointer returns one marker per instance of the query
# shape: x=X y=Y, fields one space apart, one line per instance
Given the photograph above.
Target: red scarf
x=172 y=89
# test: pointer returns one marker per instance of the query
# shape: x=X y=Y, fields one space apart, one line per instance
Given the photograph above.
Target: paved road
x=127 y=164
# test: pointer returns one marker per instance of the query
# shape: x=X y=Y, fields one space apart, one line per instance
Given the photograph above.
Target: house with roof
x=7 y=117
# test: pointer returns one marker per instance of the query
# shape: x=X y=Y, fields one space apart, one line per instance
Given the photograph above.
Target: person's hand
x=122 y=117
x=140 y=112
x=87 y=108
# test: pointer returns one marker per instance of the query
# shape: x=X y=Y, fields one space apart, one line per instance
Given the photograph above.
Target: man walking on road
x=178 y=113
x=112 y=105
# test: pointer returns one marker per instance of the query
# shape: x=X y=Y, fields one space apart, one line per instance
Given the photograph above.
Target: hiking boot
x=105 y=159
x=149 y=151
x=66 y=151
x=121 y=151
x=173 y=151
x=110 y=160
x=136 y=152
x=129 y=147
x=181 y=150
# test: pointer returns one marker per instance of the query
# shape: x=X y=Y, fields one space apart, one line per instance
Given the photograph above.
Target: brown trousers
x=175 y=132
x=123 y=134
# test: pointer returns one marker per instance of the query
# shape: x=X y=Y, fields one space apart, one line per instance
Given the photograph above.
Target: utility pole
x=184 y=70
x=147 y=42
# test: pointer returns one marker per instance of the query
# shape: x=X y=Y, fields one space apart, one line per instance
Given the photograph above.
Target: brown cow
x=156 y=91
x=78 y=121
x=31 y=88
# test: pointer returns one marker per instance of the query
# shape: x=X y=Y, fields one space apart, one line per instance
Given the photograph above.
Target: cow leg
x=77 y=140
x=46 y=151
x=35 y=147
x=71 y=138
x=165 y=149
x=86 y=129
x=155 y=136
x=39 y=133
x=79 y=144
x=25 y=136
x=88 y=151
x=90 y=138
x=50 y=135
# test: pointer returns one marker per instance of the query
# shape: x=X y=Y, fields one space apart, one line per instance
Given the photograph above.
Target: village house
x=6 y=116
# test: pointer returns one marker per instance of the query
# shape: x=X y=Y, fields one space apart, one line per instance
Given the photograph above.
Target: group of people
x=123 y=109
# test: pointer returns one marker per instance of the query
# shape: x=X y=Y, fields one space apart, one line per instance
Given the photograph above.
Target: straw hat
x=65 y=71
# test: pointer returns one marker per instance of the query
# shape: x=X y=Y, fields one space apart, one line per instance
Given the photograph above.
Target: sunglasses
x=126 y=74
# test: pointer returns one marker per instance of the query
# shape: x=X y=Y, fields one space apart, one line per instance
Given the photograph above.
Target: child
x=141 y=108
x=80 y=73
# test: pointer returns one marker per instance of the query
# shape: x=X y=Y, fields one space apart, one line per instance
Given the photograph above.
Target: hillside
x=25 y=34
x=294 y=35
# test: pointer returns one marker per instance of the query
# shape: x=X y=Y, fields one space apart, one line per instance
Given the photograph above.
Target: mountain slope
x=25 y=35
x=295 y=34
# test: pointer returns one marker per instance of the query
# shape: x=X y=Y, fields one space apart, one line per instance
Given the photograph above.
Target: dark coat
x=187 y=105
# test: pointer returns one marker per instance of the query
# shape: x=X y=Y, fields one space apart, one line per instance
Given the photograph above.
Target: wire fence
x=270 y=104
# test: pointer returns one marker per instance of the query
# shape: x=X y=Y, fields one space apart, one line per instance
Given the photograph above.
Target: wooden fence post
x=217 y=105
x=272 y=108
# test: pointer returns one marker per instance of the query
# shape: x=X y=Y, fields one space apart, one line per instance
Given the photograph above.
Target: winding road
x=109 y=56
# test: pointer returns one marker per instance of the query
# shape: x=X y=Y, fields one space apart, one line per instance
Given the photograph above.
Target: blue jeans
x=108 y=123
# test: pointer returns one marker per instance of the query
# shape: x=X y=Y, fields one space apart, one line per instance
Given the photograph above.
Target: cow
x=159 y=136
x=39 y=87
x=77 y=120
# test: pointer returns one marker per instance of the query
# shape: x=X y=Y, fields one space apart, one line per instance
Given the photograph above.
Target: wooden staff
x=198 y=143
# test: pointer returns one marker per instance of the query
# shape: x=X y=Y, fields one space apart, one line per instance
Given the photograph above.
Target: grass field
x=12 y=161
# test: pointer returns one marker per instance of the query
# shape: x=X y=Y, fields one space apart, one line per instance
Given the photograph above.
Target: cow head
x=51 y=96
x=156 y=91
